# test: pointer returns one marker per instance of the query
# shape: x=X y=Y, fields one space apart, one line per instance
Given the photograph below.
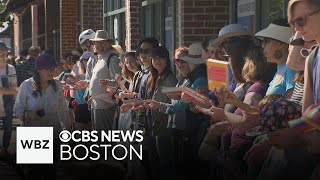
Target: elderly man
x=103 y=110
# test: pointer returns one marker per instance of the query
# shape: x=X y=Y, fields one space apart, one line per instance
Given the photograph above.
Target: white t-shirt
x=12 y=83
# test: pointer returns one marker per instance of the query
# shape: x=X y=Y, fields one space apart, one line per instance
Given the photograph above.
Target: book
x=309 y=121
x=197 y=98
x=218 y=74
x=171 y=89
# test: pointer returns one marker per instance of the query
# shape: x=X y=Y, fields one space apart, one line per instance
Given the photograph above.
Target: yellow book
x=218 y=73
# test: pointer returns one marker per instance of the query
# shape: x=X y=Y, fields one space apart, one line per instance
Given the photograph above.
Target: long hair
x=155 y=77
x=36 y=85
x=256 y=67
x=236 y=49
x=127 y=74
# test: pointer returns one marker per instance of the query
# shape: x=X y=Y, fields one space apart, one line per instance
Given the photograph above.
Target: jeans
x=7 y=123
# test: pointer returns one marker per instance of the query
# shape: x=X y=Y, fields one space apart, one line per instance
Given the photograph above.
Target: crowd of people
x=247 y=133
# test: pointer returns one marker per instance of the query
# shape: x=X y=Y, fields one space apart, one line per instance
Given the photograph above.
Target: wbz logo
x=34 y=145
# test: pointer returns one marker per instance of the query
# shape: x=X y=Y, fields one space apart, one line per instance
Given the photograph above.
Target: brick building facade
x=173 y=22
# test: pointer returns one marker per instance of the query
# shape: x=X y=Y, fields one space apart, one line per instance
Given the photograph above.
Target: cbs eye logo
x=65 y=136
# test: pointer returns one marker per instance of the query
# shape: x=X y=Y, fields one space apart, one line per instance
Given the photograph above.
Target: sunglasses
x=301 y=21
x=305 y=51
x=179 y=61
x=144 y=51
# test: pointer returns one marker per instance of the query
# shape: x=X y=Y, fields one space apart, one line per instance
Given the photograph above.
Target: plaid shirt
x=24 y=70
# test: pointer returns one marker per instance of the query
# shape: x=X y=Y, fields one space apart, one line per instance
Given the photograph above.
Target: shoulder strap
x=108 y=60
x=311 y=60
x=7 y=69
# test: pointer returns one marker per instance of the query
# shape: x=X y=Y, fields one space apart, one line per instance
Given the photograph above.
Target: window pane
x=272 y=10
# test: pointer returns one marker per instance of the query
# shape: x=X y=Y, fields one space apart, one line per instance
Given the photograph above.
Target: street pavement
x=8 y=172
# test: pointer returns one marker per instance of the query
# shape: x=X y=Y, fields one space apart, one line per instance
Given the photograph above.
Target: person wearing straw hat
x=103 y=113
x=275 y=40
x=226 y=35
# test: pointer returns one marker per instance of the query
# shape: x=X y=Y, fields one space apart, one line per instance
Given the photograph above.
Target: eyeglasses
x=179 y=61
x=305 y=51
x=301 y=21
x=144 y=51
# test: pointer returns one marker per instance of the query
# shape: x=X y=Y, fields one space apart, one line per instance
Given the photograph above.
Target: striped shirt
x=24 y=70
x=297 y=93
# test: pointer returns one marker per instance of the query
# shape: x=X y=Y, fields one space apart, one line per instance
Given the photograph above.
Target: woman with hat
x=304 y=16
x=275 y=40
x=40 y=102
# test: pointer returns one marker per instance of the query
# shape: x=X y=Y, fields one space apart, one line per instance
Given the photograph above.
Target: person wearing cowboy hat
x=102 y=112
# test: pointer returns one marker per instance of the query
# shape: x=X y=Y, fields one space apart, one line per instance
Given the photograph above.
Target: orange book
x=218 y=73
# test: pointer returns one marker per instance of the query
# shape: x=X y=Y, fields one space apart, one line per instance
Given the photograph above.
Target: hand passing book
x=192 y=96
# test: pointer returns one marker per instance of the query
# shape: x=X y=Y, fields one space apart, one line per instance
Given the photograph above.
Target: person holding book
x=275 y=40
x=303 y=17
x=81 y=111
x=156 y=121
x=196 y=123
x=177 y=121
x=253 y=73
x=40 y=102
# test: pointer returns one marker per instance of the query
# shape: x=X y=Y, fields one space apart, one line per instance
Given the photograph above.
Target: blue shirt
x=282 y=81
x=316 y=79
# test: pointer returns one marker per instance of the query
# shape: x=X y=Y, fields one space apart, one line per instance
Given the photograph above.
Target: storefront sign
x=246 y=8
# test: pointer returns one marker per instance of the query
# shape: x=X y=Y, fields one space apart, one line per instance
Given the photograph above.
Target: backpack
x=108 y=60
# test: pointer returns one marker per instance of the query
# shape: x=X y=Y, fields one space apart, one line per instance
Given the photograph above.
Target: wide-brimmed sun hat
x=231 y=30
x=194 y=54
x=277 y=32
x=101 y=35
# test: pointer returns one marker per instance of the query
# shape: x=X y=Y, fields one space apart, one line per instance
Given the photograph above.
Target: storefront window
x=272 y=10
x=255 y=15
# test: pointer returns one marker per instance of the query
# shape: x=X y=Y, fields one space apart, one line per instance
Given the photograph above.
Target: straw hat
x=231 y=30
x=273 y=31
x=194 y=54
x=101 y=35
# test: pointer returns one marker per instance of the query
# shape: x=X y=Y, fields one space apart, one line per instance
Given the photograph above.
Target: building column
x=34 y=24
x=133 y=21
x=68 y=25
x=49 y=19
x=17 y=31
